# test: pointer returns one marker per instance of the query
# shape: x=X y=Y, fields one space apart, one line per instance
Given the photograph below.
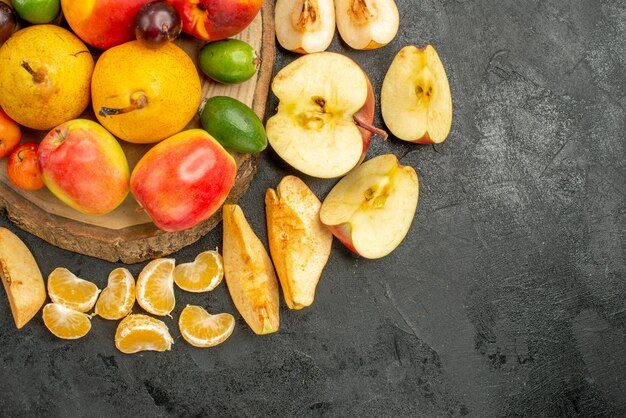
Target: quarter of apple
x=299 y=243
x=371 y=209
x=304 y=26
x=415 y=100
x=367 y=24
x=323 y=124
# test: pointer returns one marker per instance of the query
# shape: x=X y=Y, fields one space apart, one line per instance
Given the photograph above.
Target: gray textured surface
x=508 y=297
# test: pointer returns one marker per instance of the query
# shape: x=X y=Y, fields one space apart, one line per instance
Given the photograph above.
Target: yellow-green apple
x=304 y=26
x=416 y=103
x=323 y=124
x=299 y=243
x=249 y=273
x=371 y=209
x=211 y=20
x=183 y=179
x=367 y=24
x=102 y=23
x=84 y=166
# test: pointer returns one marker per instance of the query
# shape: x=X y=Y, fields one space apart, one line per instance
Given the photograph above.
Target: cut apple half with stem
x=324 y=120
x=371 y=209
x=304 y=26
x=367 y=24
x=416 y=103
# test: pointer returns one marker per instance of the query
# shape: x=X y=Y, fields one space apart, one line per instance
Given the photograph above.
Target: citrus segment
x=117 y=299
x=202 y=275
x=140 y=333
x=66 y=288
x=155 y=287
x=64 y=322
x=201 y=329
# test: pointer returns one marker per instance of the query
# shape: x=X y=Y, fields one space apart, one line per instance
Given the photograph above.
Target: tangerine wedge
x=201 y=329
x=66 y=288
x=142 y=333
x=202 y=275
x=117 y=299
x=65 y=322
x=155 y=287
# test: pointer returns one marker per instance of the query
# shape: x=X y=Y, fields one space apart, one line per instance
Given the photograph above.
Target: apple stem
x=138 y=102
x=374 y=130
x=38 y=76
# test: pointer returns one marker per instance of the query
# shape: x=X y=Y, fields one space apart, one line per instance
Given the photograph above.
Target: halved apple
x=299 y=243
x=371 y=209
x=249 y=273
x=323 y=125
x=367 y=24
x=416 y=103
x=304 y=26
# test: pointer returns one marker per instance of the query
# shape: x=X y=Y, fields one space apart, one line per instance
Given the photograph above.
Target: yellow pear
x=45 y=73
x=144 y=95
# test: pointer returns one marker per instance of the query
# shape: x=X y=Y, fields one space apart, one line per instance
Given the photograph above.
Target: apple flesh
x=416 y=103
x=304 y=26
x=323 y=124
x=183 y=180
x=211 y=20
x=299 y=243
x=84 y=166
x=249 y=273
x=367 y=24
x=371 y=209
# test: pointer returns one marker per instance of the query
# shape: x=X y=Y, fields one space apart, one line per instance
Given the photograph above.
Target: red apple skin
x=84 y=166
x=23 y=168
x=10 y=134
x=342 y=233
x=366 y=115
x=211 y=20
x=183 y=180
x=102 y=23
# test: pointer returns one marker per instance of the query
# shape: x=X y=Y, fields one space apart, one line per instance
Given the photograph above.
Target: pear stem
x=374 y=130
x=138 y=102
x=38 y=76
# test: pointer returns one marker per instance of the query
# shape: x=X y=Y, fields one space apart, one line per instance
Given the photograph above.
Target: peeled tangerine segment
x=367 y=24
x=201 y=275
x=117 y=299
x=201 y=329
x=142 y=333
x=416 y=102
x=21 y=278
x=304 y=26
x=378 y=200
x=314 y=119
x=155 y=287
x=66 y=288
x=65 y=322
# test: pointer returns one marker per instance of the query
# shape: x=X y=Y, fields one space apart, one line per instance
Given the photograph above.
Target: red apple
x=211 y=20
x=183 y=180
x=102 y=23
x=23 y=169
x=10 y=134
x=84 y=166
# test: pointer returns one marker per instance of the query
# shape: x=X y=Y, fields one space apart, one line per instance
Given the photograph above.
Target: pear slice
x=299 y=243
x=367 y=24
x=249 y=273
x=415 y=100
x=21 y=278
x=304 y=26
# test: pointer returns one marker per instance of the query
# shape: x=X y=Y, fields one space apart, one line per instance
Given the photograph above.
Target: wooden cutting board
x=127 y=234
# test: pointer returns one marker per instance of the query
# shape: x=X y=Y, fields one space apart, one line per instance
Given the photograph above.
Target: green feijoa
x=228 y=61
x=233 y=124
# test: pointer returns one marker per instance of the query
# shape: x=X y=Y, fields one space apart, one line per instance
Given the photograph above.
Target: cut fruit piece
x=371 y=209
x=416 y=102
x=367 y=24
x=249 y=273
x=201 y=329
x=323 y=125
x=66 y=288
x=299 y=243
x=202 y=275
x=155 y=287
x=304 y=26
x=142 y=333
x=117 y=299
x=21 y=278
x=64 y=322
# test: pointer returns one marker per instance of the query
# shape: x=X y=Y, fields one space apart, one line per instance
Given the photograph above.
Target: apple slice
x=416 y=103
x=304 y=26
x=299 y=243
x=371 y=209
x=249 y=273
x=323 y=125
x=367 y=24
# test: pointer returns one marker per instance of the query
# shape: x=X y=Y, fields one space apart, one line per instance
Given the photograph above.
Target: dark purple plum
x=8 y=22
x=157 y=23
